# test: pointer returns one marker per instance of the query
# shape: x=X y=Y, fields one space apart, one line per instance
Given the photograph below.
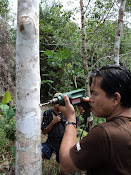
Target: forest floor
x=49 y=167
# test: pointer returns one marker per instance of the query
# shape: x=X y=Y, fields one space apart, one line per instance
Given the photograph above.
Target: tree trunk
x=119 y=32
x=85 y=62
x=84 y=50
x=28 y=115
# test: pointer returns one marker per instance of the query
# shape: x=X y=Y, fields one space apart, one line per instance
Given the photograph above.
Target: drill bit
x=45 y=104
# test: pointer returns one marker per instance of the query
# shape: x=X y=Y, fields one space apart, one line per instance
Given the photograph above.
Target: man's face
x=56 y=108
x=100 y=104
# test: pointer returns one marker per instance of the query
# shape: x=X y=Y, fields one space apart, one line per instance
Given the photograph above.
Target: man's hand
x=56 y=119
x=80 y=108
x=68 y=110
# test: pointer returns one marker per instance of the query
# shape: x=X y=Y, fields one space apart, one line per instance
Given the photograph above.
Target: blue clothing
x=47 y=151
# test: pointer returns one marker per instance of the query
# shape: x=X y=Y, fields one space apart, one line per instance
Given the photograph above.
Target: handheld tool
x=75 y=97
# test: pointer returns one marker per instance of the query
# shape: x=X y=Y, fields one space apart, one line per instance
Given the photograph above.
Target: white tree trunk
x=119 y=32
x=28 y=115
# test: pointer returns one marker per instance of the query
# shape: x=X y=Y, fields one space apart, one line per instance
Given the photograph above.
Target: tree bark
x=119 y=32
x=89 y=121
x=28 y=113
x=84 y=49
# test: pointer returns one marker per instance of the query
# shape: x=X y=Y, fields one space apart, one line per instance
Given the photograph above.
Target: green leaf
x=4 y=107
x=10 y=113
x=6 y=98
x=49 y=53
x=46 y=81
x=8 y=126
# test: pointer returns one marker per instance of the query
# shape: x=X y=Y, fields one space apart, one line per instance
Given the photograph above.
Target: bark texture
x=84 y=49
x=85 y=61
x=28 y=116
x=119 y=32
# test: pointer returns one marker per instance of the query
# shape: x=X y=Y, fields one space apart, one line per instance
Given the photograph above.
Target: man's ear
x=117 y=98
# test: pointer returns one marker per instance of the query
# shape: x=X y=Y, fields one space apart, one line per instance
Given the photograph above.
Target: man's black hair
x=115 y=79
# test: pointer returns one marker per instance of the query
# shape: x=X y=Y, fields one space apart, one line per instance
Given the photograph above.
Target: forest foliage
x=61 y=42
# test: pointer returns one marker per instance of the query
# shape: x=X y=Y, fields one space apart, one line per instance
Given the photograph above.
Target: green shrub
x=3 y=141
x=7 y=127
x=98 y=120
x=7 y=119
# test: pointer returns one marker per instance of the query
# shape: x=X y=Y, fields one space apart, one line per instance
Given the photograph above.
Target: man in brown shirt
x=106 y=150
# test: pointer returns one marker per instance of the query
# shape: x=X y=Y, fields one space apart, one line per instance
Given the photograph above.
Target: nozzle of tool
x=53 y=101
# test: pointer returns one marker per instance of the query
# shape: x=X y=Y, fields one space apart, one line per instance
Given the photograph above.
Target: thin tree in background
x=85 y=60
x=119 y=32
x=84 y=49
x=28 y=116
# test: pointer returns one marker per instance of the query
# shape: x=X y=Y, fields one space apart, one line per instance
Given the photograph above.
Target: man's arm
x=56 y=119
x=48 y=128
x=69 y=138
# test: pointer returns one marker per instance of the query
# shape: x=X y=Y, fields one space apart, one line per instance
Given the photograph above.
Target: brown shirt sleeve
x=92 y=151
